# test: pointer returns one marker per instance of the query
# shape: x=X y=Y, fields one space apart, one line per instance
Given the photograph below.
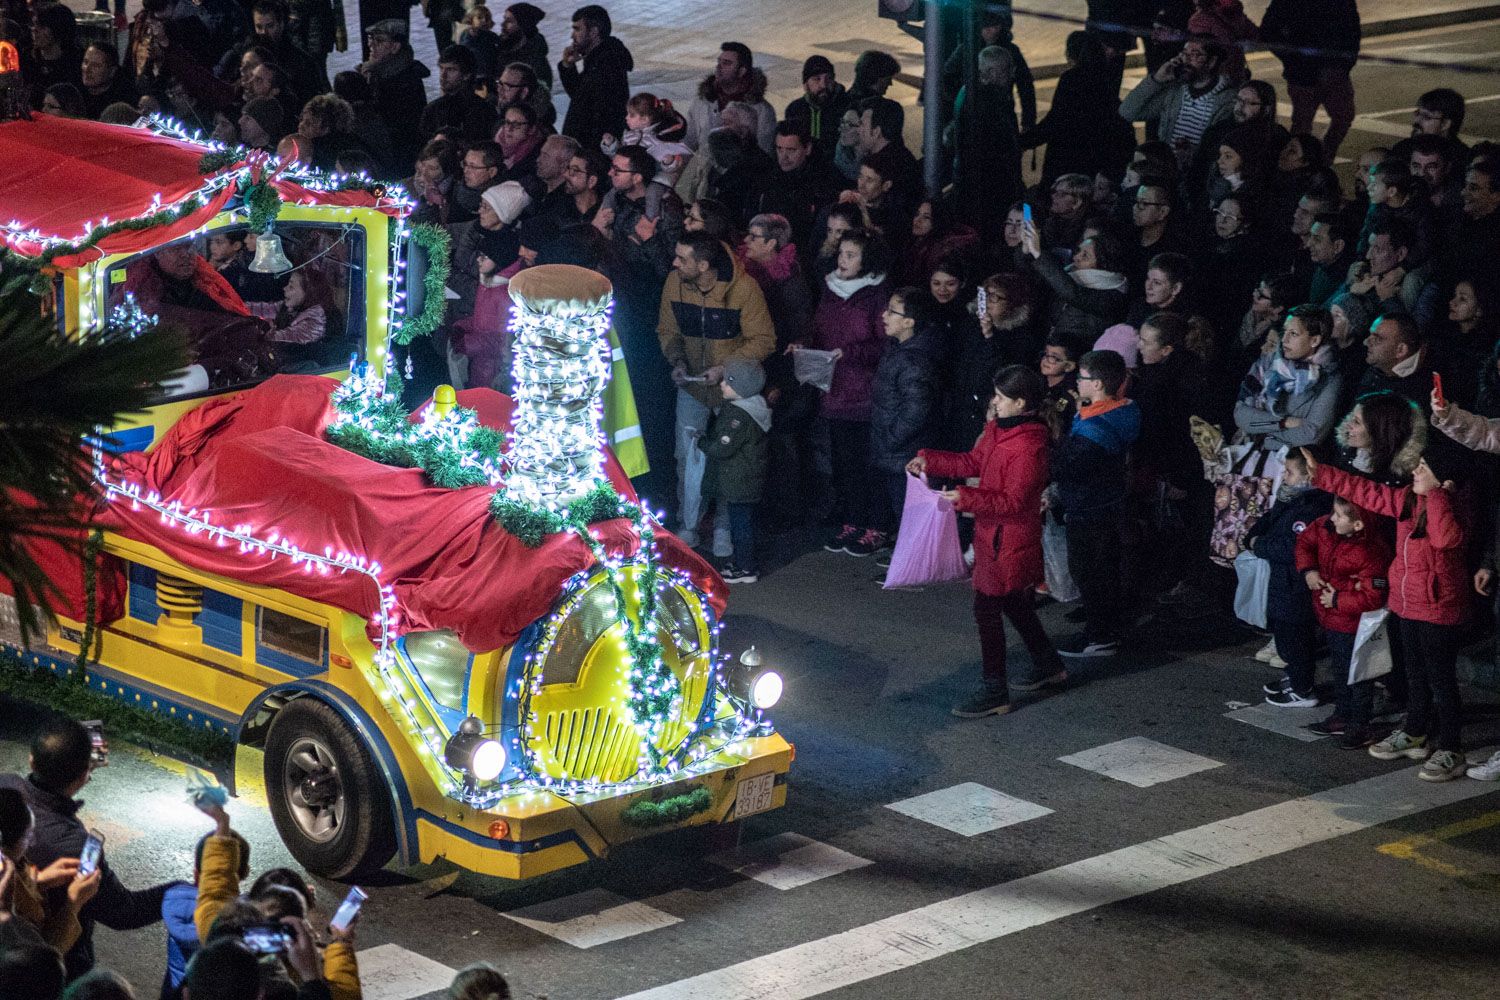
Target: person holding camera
x=258 y=922
x=62 y=761
x=23 y=895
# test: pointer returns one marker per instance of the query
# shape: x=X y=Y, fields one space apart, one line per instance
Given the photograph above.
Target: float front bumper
x=534 y=833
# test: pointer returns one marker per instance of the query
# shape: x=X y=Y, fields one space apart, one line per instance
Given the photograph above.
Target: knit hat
x=526 y=15
x=268 y=114
x=746 y=377
x=508 y=200
x=394 y=28
x=1357 y=311
x=1446 y=461
x=1121 y=339
x=814 y=65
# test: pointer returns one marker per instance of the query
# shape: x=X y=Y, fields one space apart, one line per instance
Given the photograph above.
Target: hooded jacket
x=702 y=330
x=703 y=114
x=1354 y=565
x=1010 y=460
x=738 y=451
x=598 y=92
x=1273 y=537
x=1429 y=575
x=903 y=400
x=848 y=318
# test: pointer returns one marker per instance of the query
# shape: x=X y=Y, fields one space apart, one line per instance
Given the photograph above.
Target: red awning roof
x=57 y=175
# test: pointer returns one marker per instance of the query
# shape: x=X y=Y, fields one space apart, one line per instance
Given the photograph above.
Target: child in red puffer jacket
x=1344 y=565
x=1429 y=600
x=1010 y=461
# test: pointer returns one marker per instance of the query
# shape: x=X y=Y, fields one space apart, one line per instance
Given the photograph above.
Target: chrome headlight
x=752 y=682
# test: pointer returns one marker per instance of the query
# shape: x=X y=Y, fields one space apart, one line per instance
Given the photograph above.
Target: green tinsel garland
x=438 y=244
x=264 y=205
x=645 y=813
x=73 y=698
x=91 y=552
x=531 y=525
x=220 y=159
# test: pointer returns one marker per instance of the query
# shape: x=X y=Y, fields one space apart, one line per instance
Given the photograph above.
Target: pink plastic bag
x=927 y=549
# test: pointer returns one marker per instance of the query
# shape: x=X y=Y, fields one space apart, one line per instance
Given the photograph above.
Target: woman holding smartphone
x=26 y=885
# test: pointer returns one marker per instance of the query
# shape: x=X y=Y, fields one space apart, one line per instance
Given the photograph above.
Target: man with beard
x=734 y=79
x=521 y=42
x=270 y=17
x=601 y=88
x=822 y=104
x=458 y=113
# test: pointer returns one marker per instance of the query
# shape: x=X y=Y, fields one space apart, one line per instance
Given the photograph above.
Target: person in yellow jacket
x=711 y=311
x=23 y=884
x=219 y=885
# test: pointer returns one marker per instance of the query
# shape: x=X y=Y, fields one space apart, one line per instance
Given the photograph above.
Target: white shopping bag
x=1055 y=561
x=1253 y=575
x=1372 y=647
x=814 y=368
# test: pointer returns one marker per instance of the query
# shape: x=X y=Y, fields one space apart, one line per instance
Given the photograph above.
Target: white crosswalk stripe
x=1291 y=722
x=789 y=860
x=969 y=809
x=591 y=918
x=1140 y=761
x=391 y=972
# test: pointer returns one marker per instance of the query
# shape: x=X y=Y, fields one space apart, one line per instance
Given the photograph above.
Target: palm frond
x=53 y=391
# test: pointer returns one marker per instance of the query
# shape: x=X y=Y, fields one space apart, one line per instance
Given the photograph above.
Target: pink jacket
x=1469 y=429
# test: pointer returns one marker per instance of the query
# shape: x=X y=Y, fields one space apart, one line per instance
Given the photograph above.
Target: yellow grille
x=577 y=725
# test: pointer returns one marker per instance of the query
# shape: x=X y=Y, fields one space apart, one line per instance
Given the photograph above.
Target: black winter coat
x=60 y=834
x=903 y=401
x=973 y=363
x=598 y=92
x=1326 y=25
x=1083 y=130
x=1274 y=539
x=1169 y=394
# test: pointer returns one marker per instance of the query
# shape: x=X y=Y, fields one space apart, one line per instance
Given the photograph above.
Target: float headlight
x=754 y=683
x=474 y=753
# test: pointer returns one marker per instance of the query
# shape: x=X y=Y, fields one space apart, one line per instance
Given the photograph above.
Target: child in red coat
x=1344 y=566
x=1429 y=600
x=1010 y=461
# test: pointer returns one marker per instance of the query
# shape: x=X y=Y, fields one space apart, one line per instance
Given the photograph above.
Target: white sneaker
x=688 y=537
x=1488 y=771
x=1267 y=652
x=723 y=544
x=1443 y=765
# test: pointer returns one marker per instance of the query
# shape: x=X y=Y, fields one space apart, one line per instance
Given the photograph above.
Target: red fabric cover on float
x=259 y=459
x=71 y=173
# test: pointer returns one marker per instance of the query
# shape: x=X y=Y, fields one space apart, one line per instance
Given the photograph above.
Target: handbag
x=1252 y=584
x=1241 y=496
x=1372 y=647
x=927 y=548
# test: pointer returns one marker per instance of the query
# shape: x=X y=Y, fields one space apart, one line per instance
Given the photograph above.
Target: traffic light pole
x=932 y=91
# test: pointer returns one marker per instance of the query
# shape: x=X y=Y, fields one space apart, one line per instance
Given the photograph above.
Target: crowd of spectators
x=1180 y=346
x=218 y=928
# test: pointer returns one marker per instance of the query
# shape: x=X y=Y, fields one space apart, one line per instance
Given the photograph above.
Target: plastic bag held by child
x=927 y=549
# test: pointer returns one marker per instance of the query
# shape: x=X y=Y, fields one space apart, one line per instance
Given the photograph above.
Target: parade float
x=453 y=632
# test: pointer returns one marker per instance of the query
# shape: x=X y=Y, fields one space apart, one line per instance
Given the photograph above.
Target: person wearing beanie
x=263 y=124
x=495 y=231
x=521 y=42
x=737 y=448
x=1429 y=599
x=822 y=104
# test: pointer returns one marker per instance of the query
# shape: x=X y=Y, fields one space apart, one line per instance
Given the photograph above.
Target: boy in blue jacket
x=1089 y=487
x=1289 y=604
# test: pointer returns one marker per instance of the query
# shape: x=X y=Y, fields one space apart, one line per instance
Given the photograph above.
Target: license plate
x=753 y=795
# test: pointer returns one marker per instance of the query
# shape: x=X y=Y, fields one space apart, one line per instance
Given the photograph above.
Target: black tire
x=353 y=834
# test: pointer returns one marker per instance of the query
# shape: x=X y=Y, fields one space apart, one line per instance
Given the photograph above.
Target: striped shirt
x=1196 y=114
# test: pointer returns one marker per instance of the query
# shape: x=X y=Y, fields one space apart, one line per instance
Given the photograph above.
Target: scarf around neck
x=845 y=288
x=1273 y=379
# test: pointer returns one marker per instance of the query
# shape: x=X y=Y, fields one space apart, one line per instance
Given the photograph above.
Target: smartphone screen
x=267 y=939
x=348 y=909
x=1437 y=387
x=88 y=859
x=100 y=757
